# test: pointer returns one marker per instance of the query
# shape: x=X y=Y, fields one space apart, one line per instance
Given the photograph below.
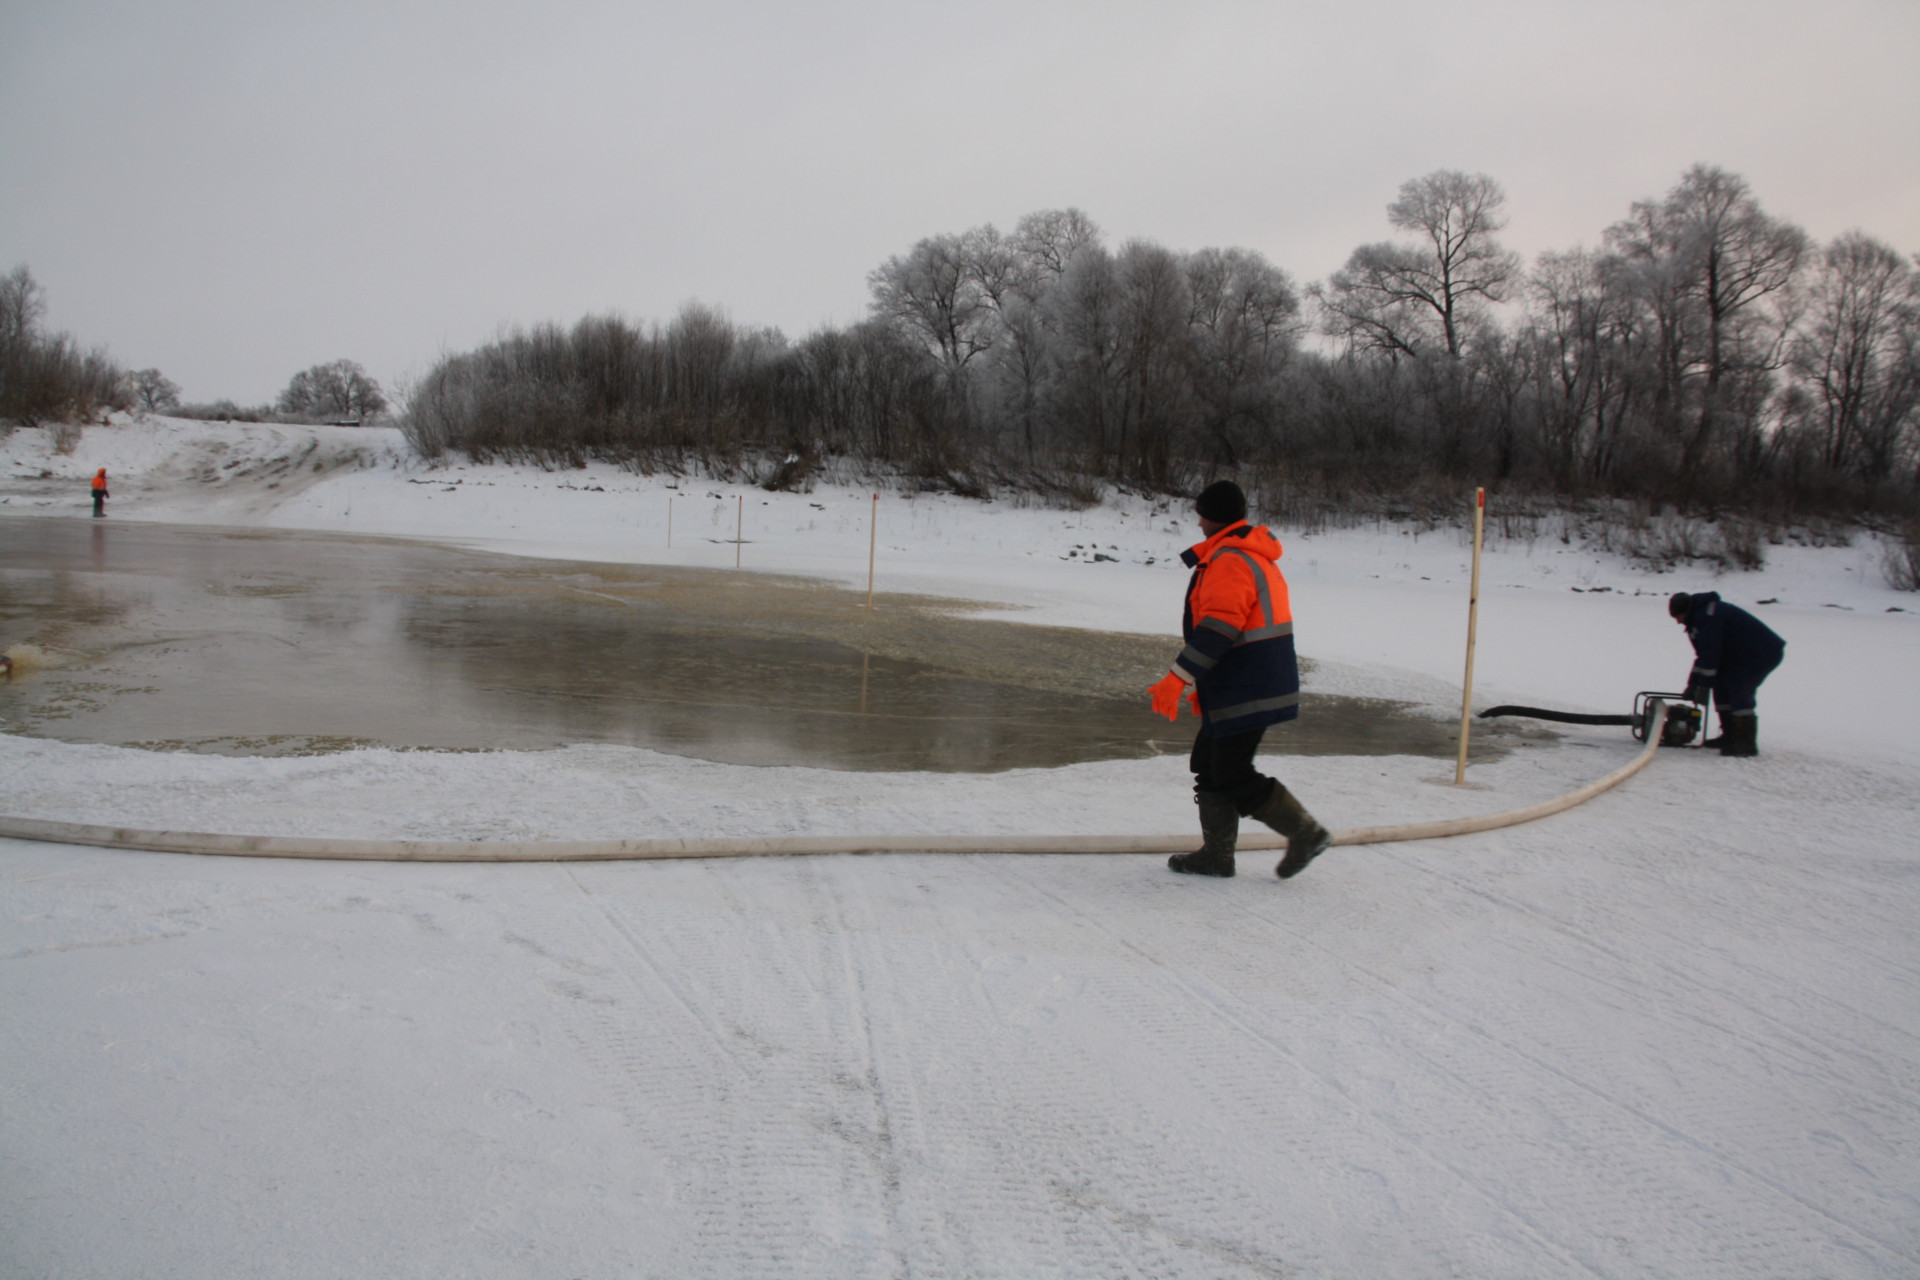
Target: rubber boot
x=1740 y=734
x=1306 y=839
x=1219 y=832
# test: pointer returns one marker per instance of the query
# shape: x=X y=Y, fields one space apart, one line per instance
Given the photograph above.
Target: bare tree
x=934 y=290
x=1664 y=322
x=699 y=345
x=1016 y=274
x=1402 y=298
x=47 y=377
x=993 y=262
x=22 y=303
x=1153 y=311
x=1242 y=329
x=1574 y=326
x=340 y=390
x=153 y=391
x=1709 y=249
x=1047 y=241
x=1011 y=383
x=1858 y=348
x=1082 y=320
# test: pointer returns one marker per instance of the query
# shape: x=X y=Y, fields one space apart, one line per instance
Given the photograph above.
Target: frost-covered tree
x=1046 y=241
x=340 y=390
x=1407 y=298
x=1710 y=264
x=1582 y=337
x=1018 y=273
x=935 y=291
x=1857 y=347
x=1242 y=329
x=153 y=391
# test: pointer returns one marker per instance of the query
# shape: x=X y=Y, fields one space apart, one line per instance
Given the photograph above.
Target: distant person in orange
x=99 y=493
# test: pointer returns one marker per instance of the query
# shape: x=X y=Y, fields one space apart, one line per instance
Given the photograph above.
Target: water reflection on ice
x=272 y=643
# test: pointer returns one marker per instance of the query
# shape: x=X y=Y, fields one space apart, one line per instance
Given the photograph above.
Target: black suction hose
x=1564 y=717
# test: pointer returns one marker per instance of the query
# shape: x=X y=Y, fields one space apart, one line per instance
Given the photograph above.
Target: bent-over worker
x=1240 y=675
x=1733 y=652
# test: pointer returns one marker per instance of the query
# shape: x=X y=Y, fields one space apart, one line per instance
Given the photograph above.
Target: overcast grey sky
x=234 y=191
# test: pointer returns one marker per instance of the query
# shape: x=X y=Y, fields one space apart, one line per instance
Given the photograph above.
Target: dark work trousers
x=99 y=502
x=1225 y=763
x=1736 y=690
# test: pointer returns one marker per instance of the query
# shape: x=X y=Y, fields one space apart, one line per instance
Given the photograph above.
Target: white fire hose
x=105 y=837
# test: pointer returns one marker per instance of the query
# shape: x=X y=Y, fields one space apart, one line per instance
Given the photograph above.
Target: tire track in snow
x=902 y=1145
x=1062 y=1158
x=1544 y=1066
x=1678 y=976
x=687 y=1097
x=873 y=1141
x=749 y=1177
x=1167 y=1022
x=1029 y=1141
x=667 y=982
x=1006 y=1131
x=1817 y=1052
x=1244 y=1023
x=1797 y=1111
x=1802 y=794
x=795 y=1163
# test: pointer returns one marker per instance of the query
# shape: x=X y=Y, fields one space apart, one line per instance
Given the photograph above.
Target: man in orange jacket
x=100 y=492
x=1240 y=675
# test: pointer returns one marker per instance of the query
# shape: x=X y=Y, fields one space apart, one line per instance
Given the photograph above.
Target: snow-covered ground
x=1672 y=1032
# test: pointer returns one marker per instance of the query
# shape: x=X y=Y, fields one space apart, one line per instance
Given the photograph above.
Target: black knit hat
x=1677 y=606
x=1221 y=502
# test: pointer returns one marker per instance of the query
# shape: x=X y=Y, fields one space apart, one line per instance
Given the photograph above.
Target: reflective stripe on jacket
x=1238 y=626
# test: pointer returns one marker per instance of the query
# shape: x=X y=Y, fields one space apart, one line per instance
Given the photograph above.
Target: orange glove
x=1166 y=696
x=1193 y=699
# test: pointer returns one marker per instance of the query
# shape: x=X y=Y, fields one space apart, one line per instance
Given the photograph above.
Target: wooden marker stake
x=873 y=541
x=669 y=524
x=739 y=529
x=1473 y=620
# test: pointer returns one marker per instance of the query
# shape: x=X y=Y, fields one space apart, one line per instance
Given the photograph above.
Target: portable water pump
x=1685 y=719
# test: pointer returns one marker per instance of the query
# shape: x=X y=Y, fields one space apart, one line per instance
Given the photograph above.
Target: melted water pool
x=265 y=643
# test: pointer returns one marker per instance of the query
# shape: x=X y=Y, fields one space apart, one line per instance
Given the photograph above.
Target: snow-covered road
x=1670 y=1033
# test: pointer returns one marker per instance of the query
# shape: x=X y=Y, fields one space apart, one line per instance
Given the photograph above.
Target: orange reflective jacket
x=1239 y=631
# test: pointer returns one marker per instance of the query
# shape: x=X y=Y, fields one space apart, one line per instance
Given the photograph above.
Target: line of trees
x=1706 y=353
x=46 y=377
x=338 y=393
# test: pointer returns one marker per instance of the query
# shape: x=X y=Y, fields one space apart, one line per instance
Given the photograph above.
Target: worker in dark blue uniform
x=1733 y=651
